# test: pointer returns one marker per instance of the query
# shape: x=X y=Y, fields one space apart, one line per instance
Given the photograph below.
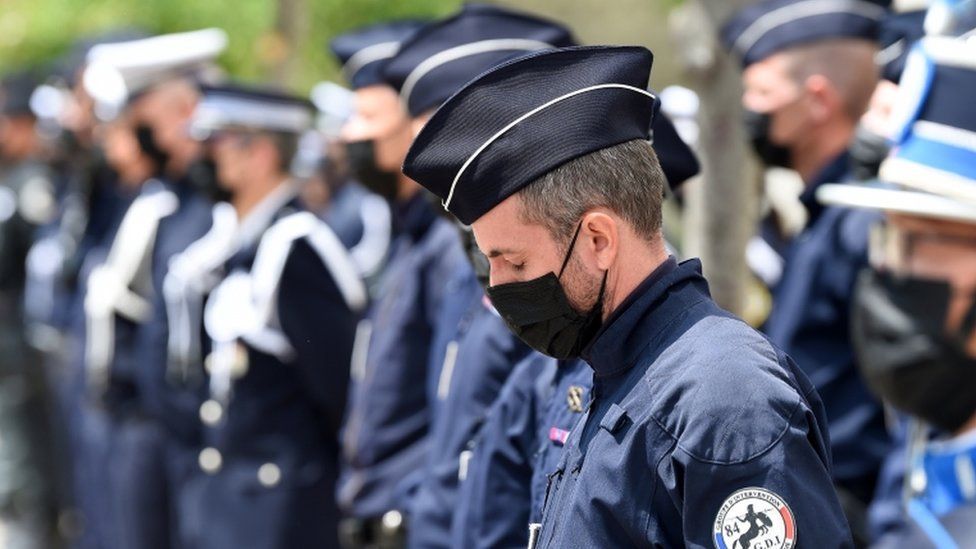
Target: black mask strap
x=569 y=252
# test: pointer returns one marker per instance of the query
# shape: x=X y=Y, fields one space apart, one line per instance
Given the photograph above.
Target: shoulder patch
x=754 y=518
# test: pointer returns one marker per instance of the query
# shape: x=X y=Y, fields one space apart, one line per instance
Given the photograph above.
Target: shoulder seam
x=788 y=421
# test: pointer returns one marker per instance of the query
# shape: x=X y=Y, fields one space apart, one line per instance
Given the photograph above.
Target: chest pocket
x=614 y=420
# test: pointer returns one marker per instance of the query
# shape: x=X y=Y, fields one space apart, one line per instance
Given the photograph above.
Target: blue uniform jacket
x=113 y=354
x=385 y=431
x=700 y=433
x=810 y=322
x=281 y=324
x=516 y=449
x=173 y=405
x=475 y=360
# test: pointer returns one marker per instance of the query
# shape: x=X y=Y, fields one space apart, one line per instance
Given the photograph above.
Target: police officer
x=361 y=219
x=168 y=214
x=521 y=440
x=694 y=416
x=472 y=351
x=913 y=312
x=280 y=327
x=386 y=426
x=27 y=498
x=808 y=76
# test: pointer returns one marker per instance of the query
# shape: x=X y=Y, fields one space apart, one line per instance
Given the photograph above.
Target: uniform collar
x=632 y=326
x=834 y=172
x=263 y=214
x=414 y=216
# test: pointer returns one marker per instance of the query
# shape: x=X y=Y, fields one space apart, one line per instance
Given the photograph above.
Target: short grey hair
x=625 y=178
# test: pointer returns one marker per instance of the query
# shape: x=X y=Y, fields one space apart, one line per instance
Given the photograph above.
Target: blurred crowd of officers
x=229 y=319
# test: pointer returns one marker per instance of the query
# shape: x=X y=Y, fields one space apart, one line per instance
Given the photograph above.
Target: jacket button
x=210 y=460
x=211 y=412
x=269 y=475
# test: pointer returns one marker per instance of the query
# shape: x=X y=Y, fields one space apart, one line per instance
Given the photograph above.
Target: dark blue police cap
x=444 y=56
x=771 y=26
x=16 y=89
x=526 y=117
x=363 y=52
x=897 y=34
x=231 y=107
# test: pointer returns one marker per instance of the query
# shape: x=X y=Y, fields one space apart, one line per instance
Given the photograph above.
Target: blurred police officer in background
x=809 y=73
x=387 y=423
x=472 y=352
x=280 y=327
x=548 y=159
x=361 y=219
x=152 y=82
x=28 y=497
x=914 y=312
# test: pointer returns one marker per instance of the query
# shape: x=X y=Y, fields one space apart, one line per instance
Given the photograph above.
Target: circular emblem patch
x=754 y=518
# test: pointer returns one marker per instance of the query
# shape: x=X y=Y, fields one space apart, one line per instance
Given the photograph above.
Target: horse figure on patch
x=759 y=523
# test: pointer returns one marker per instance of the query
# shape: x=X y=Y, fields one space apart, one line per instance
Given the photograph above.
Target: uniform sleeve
x=780 y=497
x=320 y=327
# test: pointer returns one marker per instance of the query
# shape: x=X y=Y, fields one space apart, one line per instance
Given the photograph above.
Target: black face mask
x=202 y=175
x=867 y=151
x=362 y=164
x=904 y=353
x=539 y=313
x=148 y=145
x=757 y=128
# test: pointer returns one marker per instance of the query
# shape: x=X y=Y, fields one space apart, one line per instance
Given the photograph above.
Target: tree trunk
x=723 y=206
x=290 y=28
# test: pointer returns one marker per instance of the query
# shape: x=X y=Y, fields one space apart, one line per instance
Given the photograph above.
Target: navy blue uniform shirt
x=477 y=357
x=517 y=448
x=810 y=322
x=386 y=425
x=277 y=391
x=700 y=433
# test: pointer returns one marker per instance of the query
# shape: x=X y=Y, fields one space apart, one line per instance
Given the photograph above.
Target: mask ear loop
x=569 y=252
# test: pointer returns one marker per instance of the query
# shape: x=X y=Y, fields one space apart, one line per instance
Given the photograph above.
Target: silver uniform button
x=211 y=412
x=269 y=475
x=210 y=460
x=392 y=520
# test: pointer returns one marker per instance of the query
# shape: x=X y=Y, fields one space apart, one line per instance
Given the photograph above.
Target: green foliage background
x=37 y=31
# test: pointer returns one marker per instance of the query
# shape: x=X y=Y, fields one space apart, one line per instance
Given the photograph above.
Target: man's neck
x=406 y=189
x=180 y=160
x=638 y=260
x=247 y=198
x=810 y=159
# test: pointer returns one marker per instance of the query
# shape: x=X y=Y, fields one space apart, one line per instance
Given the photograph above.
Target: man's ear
x=600 y=237
x=826 y=100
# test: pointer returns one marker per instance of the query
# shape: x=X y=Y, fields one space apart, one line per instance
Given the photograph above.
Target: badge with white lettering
x=754 y=518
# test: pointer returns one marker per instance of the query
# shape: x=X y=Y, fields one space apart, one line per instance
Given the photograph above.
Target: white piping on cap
x=367 y=55
x=465 y=50
x=492 y=139
x=802 y=10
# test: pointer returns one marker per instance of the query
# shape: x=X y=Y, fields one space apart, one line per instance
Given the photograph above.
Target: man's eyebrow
x=500 y=251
